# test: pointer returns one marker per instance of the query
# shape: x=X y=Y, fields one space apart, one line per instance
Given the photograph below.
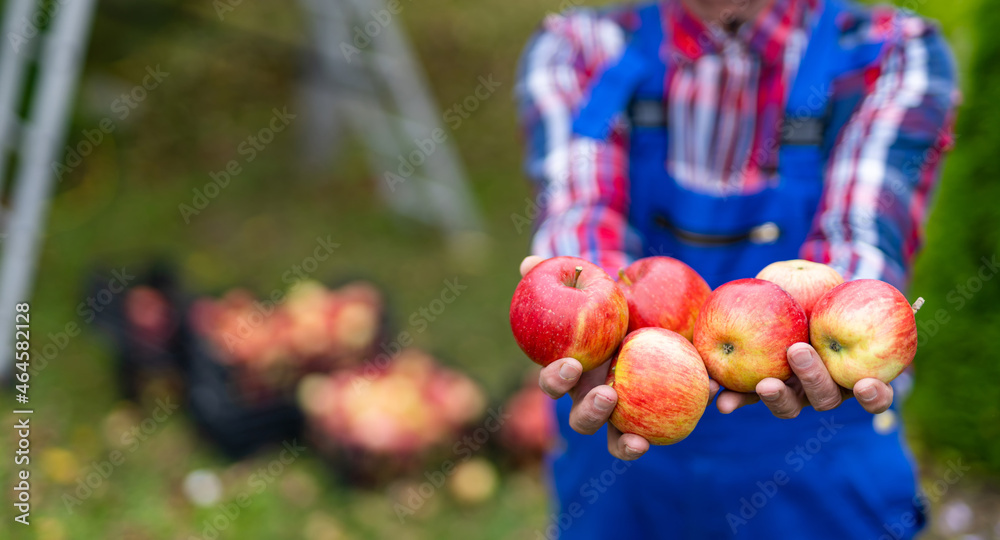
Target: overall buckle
x=763 y=234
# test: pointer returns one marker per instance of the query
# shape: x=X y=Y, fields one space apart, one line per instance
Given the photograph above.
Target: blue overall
x=747 y=475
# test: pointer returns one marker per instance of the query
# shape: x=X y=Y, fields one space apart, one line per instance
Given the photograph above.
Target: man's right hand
x=593 y=400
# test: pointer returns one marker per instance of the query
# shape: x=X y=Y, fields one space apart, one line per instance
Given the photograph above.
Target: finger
x=530 y=262
x=713 y=388
x=560 y=376
x=874 y=395
x=590 y=380
x=590 y=413
x=729 y=401
x=822 y=392
x=628 y=446
x=783 y=401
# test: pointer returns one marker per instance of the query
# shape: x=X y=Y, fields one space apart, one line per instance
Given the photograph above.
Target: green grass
x=121 y=207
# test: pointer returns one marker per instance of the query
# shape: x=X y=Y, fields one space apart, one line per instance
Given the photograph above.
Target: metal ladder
x=381 y=94
x=58 y=51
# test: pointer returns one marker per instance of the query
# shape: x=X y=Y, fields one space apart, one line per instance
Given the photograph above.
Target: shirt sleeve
x=581 y=183
x=886 y=162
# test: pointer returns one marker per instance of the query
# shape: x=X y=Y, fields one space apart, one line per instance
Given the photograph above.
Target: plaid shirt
x=726 y=96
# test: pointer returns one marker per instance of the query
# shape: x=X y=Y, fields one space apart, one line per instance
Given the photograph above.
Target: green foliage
x=955 y=407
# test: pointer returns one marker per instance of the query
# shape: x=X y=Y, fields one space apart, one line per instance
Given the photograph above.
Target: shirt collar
x=766 y=35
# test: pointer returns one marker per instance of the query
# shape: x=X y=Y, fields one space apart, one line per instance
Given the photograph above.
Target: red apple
x=352 y=325
x=568 y=307
x=663 y=292
x=531 y=427
x=150 y=314
x=744 y=330
x=662 y=386
x=806 y=281
x=864 y=328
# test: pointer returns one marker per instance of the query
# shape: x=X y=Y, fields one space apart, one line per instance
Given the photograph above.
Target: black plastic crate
x=142 y=362
x=239 y=427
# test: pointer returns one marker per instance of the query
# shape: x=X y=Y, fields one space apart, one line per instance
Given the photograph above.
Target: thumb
x=530 y=262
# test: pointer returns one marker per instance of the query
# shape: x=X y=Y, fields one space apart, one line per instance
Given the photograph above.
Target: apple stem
x=919 y=303
x=576 y=278
x=624 y=279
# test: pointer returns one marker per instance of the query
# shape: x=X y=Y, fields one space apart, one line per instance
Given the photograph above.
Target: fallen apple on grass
x=806 y=281
x=474 y=481
x=744 y=330
x=663 y=292
x=662 y=386
x=568 y=307
x=864 y=328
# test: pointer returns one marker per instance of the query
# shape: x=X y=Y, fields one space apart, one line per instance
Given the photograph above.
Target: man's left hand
x=810 y=384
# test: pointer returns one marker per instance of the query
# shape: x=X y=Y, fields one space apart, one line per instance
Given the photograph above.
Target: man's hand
x=810 y=384
x=593 y=400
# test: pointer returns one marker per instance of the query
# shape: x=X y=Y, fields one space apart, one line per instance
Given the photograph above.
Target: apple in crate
x=353 y=325
x=531 y=427
x=354 y=315
x=150 y=313
x=568 y=307
x=744 y=330
x=663 y=292
x=308 y=334
x=806 y=281
x=864 y=328
x=662 y=386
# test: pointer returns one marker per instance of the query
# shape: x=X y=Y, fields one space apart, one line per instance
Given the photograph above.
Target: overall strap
x=807 y=106
x=615 y=88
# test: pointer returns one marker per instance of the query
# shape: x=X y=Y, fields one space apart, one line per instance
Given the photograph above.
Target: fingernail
x=568 y=372
x=631 y=451
x=603 y=403
x=769 y=396
x=867 y=393
x=802 y=359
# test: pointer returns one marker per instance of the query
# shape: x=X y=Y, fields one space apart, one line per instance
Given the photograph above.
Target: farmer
x=731 y=134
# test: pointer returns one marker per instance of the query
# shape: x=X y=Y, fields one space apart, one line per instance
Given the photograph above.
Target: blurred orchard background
x=411 y=449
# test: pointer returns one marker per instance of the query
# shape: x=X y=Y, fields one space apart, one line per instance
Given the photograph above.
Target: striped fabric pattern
x=725 y=97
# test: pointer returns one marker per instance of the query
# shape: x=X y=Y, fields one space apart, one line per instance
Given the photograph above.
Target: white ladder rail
x=41 y=139
x=385 y=99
